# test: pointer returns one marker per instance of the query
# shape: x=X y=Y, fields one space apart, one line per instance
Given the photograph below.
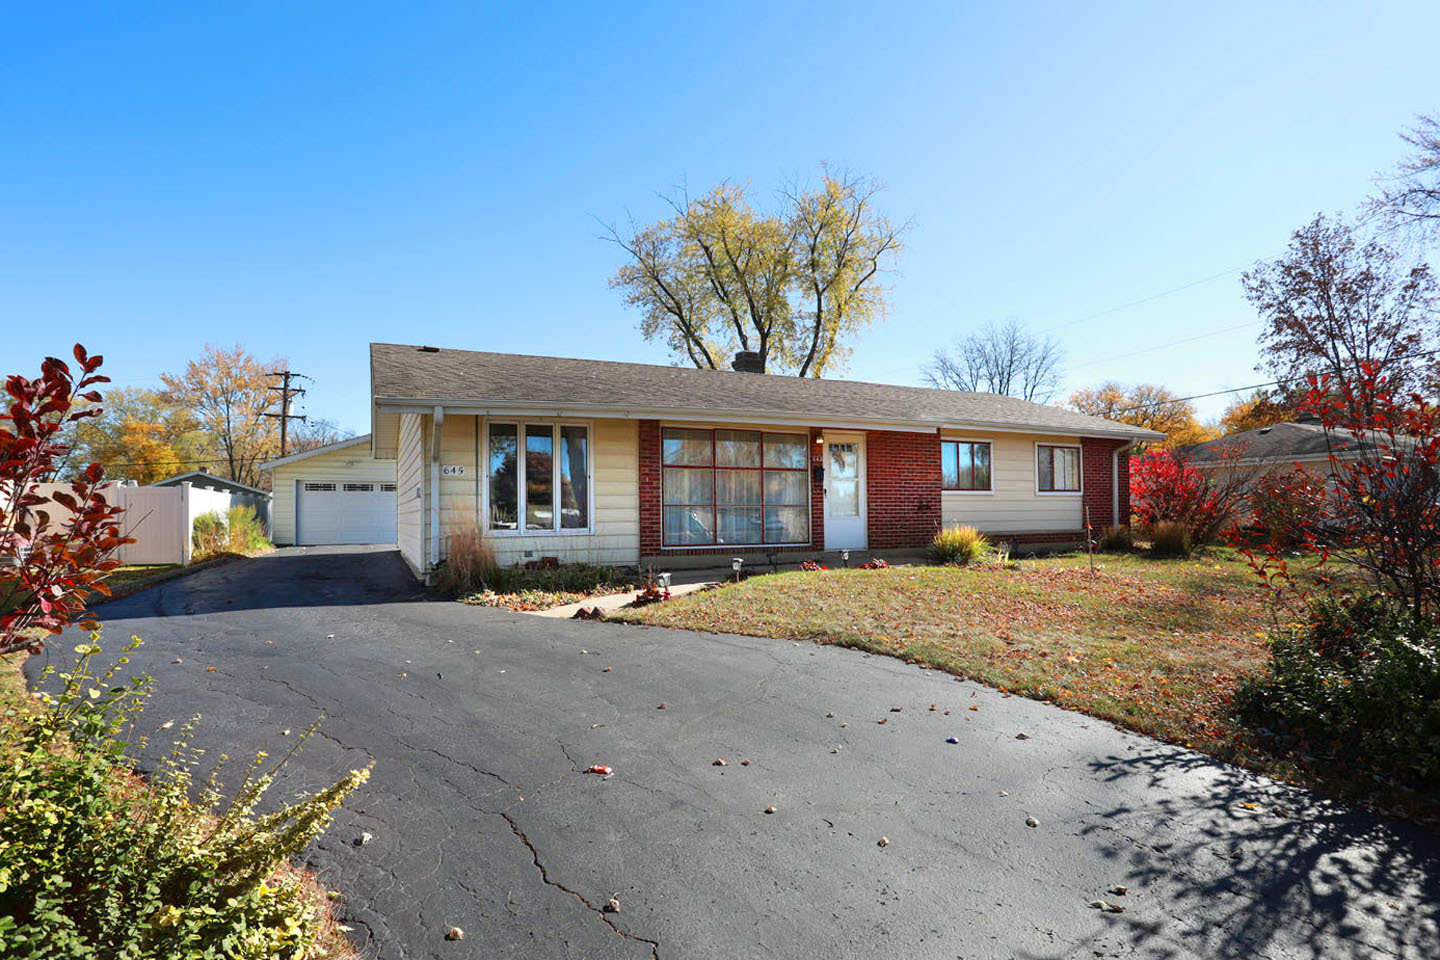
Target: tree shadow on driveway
x=1252 y=868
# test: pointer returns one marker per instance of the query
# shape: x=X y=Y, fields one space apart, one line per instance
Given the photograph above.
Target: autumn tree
x=792 y=286
x=1334 y=304
x=1144 y=405
x=999 y=358
x=1263 y=408
x=227 y=391
x=138 y=436
x=1409 y=197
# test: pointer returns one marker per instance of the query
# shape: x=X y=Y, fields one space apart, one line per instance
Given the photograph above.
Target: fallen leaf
x=769 y=809
x=603 y=769
x=612 y=905
x=455 y=933
x=974 y=706
x=1031 y=822
x=952 y=739
x=883 y=842
x=718 y=762
x=1022 y=736
x=1118 y=890
x=209 y=669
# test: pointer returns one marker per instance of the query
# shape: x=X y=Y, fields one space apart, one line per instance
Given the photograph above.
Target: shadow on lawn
x=1247 y=867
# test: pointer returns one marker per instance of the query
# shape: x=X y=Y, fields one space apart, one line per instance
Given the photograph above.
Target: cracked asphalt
x=481 y=722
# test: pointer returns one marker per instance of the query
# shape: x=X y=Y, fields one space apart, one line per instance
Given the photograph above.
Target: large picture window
x=1057 y=469
x=965 y=465
x=547 y=489
x=723 y=487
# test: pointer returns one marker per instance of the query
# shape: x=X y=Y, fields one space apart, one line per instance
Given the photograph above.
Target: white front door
x=844 y=491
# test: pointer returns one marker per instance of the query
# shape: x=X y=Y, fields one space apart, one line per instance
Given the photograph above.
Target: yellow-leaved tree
x=1145 y=405
x=791 y=286
x=228 y=392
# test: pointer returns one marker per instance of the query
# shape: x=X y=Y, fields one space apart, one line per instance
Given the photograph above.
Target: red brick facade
x=1097 y=469
x=902 y=479
x=902 y=488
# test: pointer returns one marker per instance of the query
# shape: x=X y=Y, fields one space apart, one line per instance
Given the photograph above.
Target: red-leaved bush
x=48 y=565
x=1289 y=506
x=1165 y=488
x=1380 y=512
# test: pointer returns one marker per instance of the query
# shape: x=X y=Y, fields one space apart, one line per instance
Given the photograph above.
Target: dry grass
x=1157 y=646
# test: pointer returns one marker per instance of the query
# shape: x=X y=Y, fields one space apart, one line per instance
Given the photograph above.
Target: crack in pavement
x=545 y=878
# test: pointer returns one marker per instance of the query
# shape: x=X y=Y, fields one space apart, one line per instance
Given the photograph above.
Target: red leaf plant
x=1379 y=511
x=54 y=548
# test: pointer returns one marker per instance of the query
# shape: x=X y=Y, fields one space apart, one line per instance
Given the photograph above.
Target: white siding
x=1015 y=505
x=411 y=479
x=349 y=463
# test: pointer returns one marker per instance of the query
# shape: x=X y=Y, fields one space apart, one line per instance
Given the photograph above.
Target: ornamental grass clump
x=959 y=545
x=95 y=862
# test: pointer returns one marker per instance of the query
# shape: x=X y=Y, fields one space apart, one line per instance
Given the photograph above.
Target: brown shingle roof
x=400 y=373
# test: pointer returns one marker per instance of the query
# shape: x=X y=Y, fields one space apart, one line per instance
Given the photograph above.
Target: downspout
x=437 y=427
x=1115 y=482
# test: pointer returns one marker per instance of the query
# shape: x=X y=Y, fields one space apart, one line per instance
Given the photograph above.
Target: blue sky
x=306 y=178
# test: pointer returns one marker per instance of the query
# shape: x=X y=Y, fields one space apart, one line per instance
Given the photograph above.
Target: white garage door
x=344 y=511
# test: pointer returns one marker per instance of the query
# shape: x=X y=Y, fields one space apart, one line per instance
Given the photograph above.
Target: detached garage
x=332 y=495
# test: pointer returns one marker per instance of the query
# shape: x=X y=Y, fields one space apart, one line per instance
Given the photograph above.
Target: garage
x=344 y=511
x=335 y=494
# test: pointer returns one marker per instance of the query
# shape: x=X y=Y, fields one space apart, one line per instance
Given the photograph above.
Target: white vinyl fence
x=162 y=519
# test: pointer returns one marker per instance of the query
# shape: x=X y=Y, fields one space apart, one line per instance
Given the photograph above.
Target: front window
x=547 y=491
x=1058 y=469
x=965 y=464
x=734 y=487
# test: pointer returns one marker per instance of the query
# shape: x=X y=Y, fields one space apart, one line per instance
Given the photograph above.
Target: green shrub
x=960 y=545
x=237 y=531
x=587 y=578
x=1170 y=538
x=1358 y=683
x=1117 y=539
x=210 y=535
x=247 y=533
x=96 y=863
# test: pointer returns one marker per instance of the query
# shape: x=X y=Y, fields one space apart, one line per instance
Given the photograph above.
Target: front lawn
x=1157 y=646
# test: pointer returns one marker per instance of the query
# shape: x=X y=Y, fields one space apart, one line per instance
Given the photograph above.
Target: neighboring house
x=1278 y=448
x=333 y=494
x=241 y=494
x=639 y=464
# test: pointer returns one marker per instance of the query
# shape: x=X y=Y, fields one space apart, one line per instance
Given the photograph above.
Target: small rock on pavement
x=769 y=809
x=1031 y=822
x=455 y=933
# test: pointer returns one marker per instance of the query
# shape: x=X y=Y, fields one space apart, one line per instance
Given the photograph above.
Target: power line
x=1173 y=343
x=1253 y=386
x=1143 y=300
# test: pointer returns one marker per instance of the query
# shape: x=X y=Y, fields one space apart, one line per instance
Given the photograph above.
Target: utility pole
x=287 y=393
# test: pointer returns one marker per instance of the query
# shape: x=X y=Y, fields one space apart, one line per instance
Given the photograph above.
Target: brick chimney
x=748 y=361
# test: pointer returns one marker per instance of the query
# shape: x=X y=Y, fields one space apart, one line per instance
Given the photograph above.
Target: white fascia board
x=328 y=448
x=467 y=408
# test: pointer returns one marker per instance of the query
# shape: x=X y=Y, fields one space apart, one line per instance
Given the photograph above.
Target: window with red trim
x=728 y=487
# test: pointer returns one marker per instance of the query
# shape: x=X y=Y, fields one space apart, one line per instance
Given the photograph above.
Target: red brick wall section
x=1096 y=464
x=903 y=483
x=817 y=491
x=649 y=488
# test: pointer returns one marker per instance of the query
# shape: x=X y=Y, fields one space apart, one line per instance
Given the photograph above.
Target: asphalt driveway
x=481 y=723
